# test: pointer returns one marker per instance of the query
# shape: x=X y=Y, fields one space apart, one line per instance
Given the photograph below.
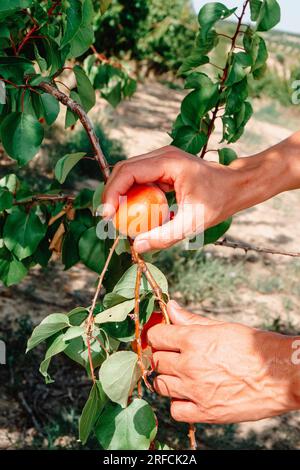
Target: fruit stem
x=138 y=333
x=154 y=286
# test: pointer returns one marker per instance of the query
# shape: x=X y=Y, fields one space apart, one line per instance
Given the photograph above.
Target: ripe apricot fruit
x=155 y=319
x=143 y=208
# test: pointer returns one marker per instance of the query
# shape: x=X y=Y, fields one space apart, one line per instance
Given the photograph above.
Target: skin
x=215 y=372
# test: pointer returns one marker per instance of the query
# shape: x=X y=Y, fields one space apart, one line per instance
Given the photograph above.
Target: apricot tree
x=39 y=40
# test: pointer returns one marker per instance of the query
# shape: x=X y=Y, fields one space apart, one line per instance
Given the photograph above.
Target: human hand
x=198 y=184
x=219 y=372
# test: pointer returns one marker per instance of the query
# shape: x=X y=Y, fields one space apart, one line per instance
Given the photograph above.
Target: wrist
x=281 y=372
x=259 y=178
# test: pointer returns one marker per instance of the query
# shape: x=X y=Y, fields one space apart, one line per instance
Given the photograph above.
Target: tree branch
x=85 y=121
x=223 y=79
x=154 y=286
x=247 y=247
x=46 y=198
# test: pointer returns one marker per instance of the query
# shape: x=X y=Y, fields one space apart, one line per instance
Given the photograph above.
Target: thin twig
x=137 y=330
x=45 y=198
x=247 y=247
x=88 y=342
x=154 y=286
x=30 y=412
x=192 y=436
x=90 y=318
x=77 y=109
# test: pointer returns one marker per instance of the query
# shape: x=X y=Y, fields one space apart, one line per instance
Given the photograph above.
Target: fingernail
x=142 y=245
x=106 y=211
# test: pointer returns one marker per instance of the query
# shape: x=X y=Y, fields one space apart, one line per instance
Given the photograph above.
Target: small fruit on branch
x=155 y=319
x=143 y=208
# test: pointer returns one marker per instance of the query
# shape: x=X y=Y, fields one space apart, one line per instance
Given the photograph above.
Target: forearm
x=267 y=174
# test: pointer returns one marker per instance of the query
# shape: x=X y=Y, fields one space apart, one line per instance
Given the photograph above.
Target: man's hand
x=198 y=184
x=214 y=189
x=217 y=372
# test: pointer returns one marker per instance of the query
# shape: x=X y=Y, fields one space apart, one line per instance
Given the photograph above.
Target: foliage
x=39 y=40
x=157 y=32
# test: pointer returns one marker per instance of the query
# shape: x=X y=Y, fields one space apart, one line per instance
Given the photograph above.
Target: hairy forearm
x=266 y=174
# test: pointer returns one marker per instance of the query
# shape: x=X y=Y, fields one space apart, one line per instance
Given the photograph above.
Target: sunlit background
x=290 y=13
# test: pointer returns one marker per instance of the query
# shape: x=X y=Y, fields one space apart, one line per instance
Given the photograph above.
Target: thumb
x=188 y=221
x=180 y=316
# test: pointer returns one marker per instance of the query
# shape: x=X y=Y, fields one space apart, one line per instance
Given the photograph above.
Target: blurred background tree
x=159 y=32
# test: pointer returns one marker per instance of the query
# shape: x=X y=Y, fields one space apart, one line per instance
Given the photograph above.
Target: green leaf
x=210 y=14
x=77 y=316
x=84 y=88
x=10 y=182
x=48 y=327
x=226 y=156
x=21 y=136
x=240 y=66
x=114 y=95
x=7 y=5
x=197 y=80
x=42 y=63
x=97 y=198
x=73 y=332
x=236 y=95
x=6 y=199
x=78 y=352
x=74 y=20
x=84 y=199
x=255 y=6
x=65 y=165
x=116 y=313
x=70 y=250
x=14 y=68
x=92 y=250
x=85 y=34
x=269 y=15
x=12 y=271
x=49 y=108
x=57 y=346
x=212 y=234
x=197 y=103
x=189 y=140
x=23 y=232
x=192 y=61
x=125 y=286
x=132 y=428
x=119 y=375
x=91 y=411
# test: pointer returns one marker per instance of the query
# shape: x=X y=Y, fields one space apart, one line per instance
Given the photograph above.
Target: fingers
x=146 y=168
x=166 y=337
x=188 y=220
x=166 y=362
x=184 y=411
x=168 y=386
x=180 y=316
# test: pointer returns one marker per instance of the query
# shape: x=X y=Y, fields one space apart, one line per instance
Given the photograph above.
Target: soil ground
x=266 y=293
